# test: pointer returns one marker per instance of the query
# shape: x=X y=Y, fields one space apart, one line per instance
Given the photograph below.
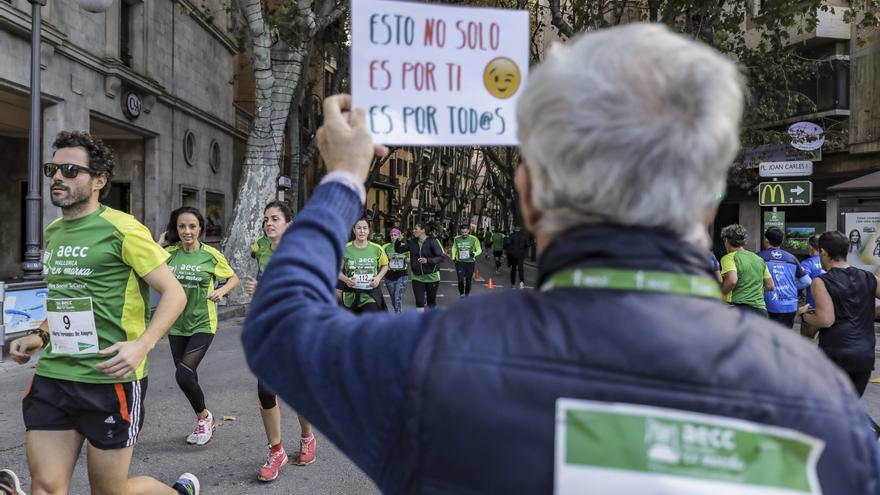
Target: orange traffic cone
x=490 y=285
x=477 y=276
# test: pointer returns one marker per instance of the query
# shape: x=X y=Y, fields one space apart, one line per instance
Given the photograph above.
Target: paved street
x=229 y=463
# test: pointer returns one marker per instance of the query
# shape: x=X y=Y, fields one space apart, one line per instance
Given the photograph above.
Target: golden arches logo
x=773 y=188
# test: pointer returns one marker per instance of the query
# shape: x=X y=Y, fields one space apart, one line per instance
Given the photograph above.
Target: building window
x=189 y=148
x=189 y=197
x=214 y=156
x=215 y=215
x=125 y=33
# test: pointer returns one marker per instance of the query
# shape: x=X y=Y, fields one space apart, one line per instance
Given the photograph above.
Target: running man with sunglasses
x=91 y=379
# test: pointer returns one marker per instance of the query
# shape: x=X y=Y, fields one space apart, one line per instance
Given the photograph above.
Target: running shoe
x=522 y=285
x=187 y=484
x=204 y=431
x=9 y=483
x=276 y=460
x=306 y=451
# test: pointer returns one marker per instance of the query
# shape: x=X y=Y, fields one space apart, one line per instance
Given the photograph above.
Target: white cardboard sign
x=429 y=74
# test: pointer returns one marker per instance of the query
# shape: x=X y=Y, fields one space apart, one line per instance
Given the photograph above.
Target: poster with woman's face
x=863 y=231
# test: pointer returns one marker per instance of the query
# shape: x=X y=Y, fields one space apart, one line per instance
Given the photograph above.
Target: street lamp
x=32 y=265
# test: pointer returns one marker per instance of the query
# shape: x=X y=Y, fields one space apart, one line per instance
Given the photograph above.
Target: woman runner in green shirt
x=276 y=218
x=197 y=267
x=363 y=266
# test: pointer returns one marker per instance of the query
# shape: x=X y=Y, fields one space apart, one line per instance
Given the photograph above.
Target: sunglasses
x=68 y=170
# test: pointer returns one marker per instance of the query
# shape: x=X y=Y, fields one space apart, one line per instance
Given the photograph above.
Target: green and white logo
x=633 y=449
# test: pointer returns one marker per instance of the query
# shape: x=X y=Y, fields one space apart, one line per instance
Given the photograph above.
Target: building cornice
x=203 y=21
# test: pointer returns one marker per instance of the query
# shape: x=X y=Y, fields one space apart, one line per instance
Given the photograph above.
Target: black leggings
x=266 y=396
x=422 y=289
x=188 y=353
x=497 y=256
x=515 y=264
x=465 y=272
x=365 y=308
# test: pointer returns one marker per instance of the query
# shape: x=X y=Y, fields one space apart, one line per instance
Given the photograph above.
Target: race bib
x=362 y=281
x=396 y=263
x=642 y=450
x=464 y=254
x=72 y=326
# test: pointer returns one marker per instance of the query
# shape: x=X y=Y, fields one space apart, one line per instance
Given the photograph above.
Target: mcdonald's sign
x=787 y=193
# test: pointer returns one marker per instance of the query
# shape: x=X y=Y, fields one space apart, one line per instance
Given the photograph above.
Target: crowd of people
x=632 y=324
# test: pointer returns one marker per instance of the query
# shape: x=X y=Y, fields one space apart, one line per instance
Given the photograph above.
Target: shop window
x=119 y=197
x=189 y=197
x=215 y=215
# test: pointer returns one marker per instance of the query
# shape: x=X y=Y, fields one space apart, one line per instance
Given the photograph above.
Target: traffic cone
x=477 y=276
x=490 y=285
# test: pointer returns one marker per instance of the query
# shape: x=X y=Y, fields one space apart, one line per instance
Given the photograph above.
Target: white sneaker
x=522 y=285
x=188 y=484
x=204 y=430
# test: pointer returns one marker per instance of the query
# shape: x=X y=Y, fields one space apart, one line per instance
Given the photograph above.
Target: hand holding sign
x=343 y=140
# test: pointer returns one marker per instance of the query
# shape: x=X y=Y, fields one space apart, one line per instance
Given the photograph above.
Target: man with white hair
x=626 y=372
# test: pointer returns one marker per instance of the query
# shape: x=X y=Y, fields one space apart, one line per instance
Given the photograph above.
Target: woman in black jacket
x=425 y=254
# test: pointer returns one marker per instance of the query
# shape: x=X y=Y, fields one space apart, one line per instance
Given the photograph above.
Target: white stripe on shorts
x=135 y=413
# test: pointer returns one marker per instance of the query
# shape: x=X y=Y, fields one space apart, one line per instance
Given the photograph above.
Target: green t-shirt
x=262 y=251
x=362 y=264
x=396 y=261
x=750 y=271
x=94 y=268
x=197 y=273
x=498 y=241
x=466 y=248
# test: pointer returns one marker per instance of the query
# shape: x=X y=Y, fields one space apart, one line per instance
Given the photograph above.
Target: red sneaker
x=306 y=451
x=276 y=460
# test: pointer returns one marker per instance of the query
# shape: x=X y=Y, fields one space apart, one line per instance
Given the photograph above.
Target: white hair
x=632 y=125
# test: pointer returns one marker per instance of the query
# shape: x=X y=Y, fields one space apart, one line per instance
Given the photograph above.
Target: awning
x=870 y=181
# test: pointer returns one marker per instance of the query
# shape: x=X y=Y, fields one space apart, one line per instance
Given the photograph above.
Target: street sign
x=774 y=219
x=788 y=193
x=785 y=169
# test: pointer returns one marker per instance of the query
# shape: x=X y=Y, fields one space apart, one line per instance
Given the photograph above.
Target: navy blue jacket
x=442 y=402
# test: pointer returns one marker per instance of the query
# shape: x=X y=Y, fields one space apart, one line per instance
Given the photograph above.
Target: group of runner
x=91 y=379
x=838 y=299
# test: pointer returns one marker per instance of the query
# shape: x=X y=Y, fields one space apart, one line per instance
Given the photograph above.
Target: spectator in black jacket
x=517 y=248
x=425 y=254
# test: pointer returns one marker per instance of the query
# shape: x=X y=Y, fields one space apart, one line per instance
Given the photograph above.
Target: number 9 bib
x=72 y=326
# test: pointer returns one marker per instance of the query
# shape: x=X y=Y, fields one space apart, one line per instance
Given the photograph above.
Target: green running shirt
x=750 y=271
x=466 y=248
x=262 y=251
x=362 y=264
x=498 y=241
x=197 y=273
x=396 y=261
x=94 y=268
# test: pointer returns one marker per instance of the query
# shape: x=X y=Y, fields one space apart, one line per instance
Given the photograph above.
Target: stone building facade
x=155 y=79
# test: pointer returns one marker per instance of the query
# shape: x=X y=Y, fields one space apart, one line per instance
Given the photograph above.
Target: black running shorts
x=109 y=415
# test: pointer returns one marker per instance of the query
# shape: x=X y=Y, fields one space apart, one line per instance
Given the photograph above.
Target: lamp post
x=32 y=266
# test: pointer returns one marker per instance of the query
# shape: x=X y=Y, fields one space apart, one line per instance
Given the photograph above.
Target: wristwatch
x=44 y=335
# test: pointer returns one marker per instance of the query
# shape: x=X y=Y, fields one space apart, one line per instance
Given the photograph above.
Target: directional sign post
x=787 y=193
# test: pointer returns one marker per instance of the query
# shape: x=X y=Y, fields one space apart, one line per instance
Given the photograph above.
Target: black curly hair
x=101 y=157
